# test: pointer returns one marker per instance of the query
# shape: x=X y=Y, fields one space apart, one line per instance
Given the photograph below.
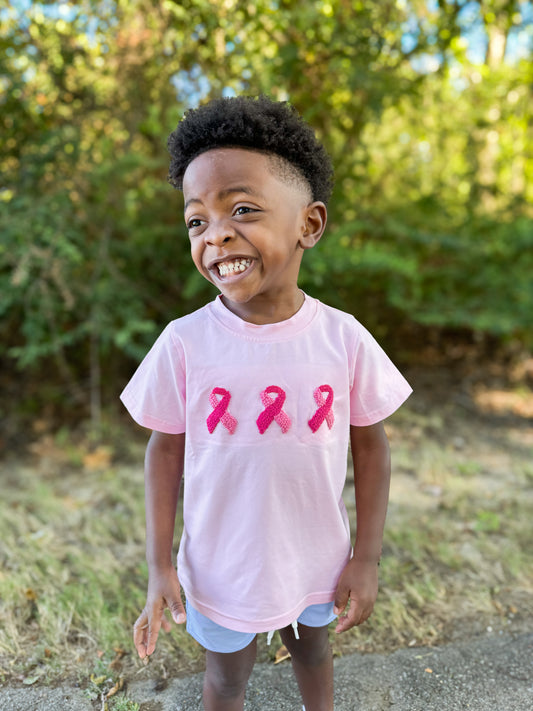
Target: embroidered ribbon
x=324 y=411
x=273 y=410
x=220 y=411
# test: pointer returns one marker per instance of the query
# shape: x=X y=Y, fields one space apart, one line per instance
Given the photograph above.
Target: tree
x=432 y=147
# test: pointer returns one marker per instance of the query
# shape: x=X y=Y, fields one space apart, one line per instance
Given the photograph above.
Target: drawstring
x=294 y=626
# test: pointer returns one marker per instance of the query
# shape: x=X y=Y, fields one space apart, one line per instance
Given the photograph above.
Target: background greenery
x=425 y=106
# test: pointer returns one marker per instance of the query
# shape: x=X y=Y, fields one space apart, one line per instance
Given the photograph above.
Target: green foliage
x=124 y=704
x=432 y=148
x=488 y=522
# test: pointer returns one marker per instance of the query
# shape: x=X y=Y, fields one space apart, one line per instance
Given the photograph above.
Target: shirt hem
x=259 y=626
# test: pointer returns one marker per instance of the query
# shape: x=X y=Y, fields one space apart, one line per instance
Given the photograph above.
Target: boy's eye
x=195 y=222
x=244 y=210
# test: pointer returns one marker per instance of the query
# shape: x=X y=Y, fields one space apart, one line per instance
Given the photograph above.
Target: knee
x=226 y=677
x=312 y=649
x=225 y=686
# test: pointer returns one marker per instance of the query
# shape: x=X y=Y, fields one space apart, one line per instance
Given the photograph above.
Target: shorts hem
x=222 y=640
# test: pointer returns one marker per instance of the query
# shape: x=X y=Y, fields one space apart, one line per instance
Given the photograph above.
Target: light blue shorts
x=216 y=638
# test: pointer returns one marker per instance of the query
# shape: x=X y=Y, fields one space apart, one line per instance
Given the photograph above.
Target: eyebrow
x=225 y=193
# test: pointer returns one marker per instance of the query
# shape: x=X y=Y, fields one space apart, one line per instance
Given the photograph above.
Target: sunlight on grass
x=73 y=576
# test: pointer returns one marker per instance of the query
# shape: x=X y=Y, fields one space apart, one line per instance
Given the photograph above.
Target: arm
x=359 y=580
x=163 y=474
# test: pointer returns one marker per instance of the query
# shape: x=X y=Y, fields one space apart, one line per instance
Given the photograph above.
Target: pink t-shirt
x=267 y=412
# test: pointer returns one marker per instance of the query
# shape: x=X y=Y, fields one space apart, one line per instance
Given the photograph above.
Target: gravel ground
x=489 y=673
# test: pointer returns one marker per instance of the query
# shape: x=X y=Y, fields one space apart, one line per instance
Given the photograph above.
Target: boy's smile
x=248 y=229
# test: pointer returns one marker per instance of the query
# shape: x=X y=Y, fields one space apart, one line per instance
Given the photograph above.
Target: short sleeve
x=377 y=387
x=155 y=396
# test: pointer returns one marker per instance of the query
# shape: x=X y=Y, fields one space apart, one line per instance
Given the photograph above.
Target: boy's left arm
x=359 y=580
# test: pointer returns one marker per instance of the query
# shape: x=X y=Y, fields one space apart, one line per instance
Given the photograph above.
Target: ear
x=315 y=218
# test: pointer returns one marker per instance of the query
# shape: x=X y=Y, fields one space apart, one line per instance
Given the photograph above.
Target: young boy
x=253 y=400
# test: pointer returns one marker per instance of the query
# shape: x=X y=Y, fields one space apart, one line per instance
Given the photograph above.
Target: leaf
x=281 y=655
x=98 y=680
x=118 y=686
x=29 y=680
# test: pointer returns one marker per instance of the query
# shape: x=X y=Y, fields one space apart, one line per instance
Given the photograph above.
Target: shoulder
x=177 y=336
x=340 y=327
x=347 y=324
x=335 y=315
x=189 y=324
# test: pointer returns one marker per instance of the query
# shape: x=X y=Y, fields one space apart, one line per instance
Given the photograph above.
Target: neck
x=261 y=312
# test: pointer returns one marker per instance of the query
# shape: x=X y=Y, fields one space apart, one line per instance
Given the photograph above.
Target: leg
x=226 y=677
x=312 y=662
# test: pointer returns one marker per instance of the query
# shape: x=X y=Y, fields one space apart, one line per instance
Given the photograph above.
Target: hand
x=359 y=585
x=163 y=591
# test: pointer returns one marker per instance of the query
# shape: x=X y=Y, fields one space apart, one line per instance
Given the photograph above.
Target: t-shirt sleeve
x=377 y=388
x=155 y=396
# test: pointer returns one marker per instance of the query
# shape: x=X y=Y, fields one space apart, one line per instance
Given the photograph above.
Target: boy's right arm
x=163 y=474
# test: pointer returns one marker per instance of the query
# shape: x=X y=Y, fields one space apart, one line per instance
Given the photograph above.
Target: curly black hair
x=271 y=127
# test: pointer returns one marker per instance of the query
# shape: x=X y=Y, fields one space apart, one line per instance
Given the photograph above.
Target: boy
x=253 y=400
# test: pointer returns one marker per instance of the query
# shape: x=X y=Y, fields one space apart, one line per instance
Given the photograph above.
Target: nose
x=219 y=233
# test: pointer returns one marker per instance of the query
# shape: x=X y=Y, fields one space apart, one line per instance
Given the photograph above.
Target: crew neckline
x=281 y=330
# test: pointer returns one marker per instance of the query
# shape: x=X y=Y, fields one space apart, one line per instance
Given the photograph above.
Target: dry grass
x=457 y=555
x=456 y=559
x=73 y=575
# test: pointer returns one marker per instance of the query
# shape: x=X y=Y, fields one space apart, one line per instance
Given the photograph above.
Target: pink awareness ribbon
x=220 y=411
x=273 y=410
x=324 y=411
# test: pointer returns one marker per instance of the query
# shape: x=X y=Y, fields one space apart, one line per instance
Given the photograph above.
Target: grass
x=73 y=578
x=457 y=550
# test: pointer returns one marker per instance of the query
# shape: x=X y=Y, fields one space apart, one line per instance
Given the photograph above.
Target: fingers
x=177 y=611
x=356 y=594
x=178 y=615
x=356 y=615
x=151 y=632
x=357 y=608
x=140 y=634
x=146 y=628
x=347 y=621
x=341 y=600
x=154 y=625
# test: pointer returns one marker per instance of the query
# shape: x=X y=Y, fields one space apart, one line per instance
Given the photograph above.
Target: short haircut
x=260 y=124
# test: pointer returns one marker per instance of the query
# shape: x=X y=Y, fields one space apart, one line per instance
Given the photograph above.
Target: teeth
x=234 y=267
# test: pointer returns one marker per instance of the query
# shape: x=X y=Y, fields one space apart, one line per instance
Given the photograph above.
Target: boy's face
x=248 y=229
